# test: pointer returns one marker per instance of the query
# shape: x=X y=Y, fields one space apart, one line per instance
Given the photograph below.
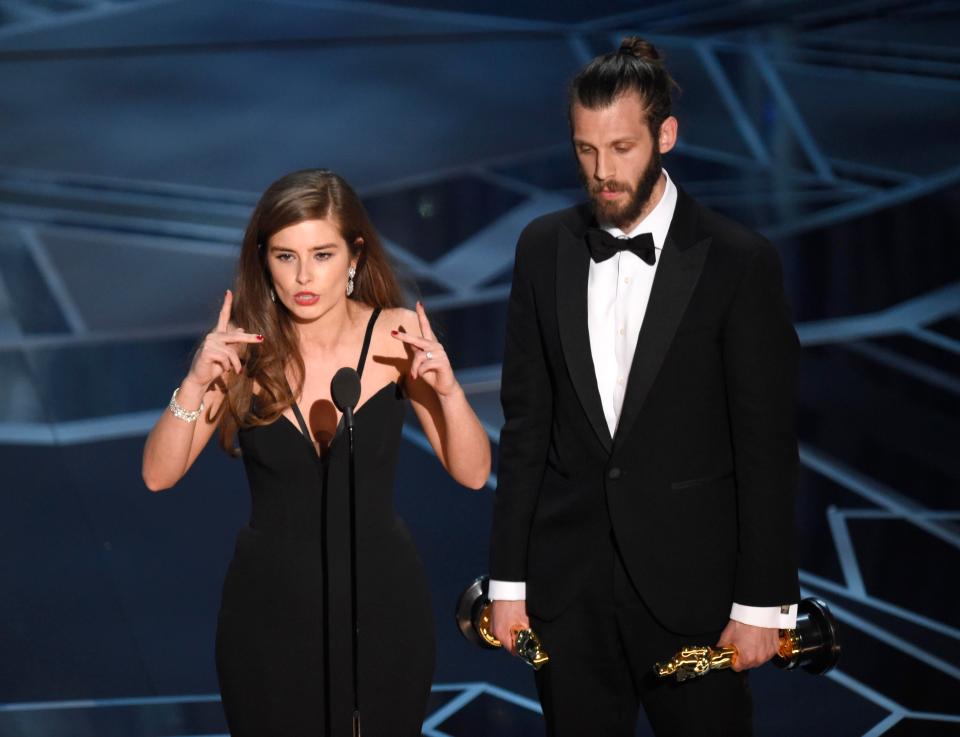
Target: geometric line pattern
x=792 y=159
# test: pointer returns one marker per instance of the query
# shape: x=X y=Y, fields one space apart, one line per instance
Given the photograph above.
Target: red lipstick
x=306 y=298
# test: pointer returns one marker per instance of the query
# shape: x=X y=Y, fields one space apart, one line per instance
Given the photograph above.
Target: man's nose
x=604 y=167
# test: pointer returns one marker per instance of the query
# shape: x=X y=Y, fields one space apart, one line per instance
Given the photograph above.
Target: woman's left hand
x=430 y=361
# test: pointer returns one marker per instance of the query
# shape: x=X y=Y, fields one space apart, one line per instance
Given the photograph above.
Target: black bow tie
x=603 y=245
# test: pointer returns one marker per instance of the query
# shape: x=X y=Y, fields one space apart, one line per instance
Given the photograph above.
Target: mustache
x=610 y=187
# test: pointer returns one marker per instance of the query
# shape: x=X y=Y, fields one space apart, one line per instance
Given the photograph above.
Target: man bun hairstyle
x=639 y=48
x=635 y=67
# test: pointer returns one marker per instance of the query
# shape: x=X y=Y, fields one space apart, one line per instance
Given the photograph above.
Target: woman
x=314 y=293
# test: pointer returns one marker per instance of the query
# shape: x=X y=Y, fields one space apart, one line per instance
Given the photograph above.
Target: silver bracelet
x=183 y=414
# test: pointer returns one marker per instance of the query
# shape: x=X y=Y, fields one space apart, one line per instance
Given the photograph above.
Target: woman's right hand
x=217 y=355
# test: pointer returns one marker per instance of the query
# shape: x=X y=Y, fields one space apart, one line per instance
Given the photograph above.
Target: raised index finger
x=425 y=330
x=224 y=320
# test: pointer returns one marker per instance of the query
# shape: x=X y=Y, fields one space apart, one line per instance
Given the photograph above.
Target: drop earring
x=352 y=272
x=273 y=295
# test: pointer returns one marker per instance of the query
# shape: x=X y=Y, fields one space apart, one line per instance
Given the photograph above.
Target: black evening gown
x=284 y=651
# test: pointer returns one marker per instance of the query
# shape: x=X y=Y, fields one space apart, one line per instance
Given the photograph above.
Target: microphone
x=345 y=392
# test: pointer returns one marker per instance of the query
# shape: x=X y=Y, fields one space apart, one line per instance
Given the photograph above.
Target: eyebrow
x=580 y=142
x=312 y=248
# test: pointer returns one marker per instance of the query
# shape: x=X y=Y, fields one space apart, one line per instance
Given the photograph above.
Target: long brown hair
x=310 y=194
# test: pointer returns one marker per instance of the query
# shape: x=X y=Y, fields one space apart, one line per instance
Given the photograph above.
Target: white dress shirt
x=618 y=291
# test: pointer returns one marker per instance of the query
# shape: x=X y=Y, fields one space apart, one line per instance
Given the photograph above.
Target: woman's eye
x=323 y=255
x=284 y=257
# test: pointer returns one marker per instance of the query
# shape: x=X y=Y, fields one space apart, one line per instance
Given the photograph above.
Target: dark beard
x=639 y=195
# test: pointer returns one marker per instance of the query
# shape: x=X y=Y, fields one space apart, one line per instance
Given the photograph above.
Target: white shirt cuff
x=776 y=617
x=507 y=591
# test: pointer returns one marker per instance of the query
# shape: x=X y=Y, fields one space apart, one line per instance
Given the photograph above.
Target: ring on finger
x=429 y=355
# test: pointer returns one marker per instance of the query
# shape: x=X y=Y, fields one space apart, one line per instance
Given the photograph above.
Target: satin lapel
x=676 y=277
x=573 y=267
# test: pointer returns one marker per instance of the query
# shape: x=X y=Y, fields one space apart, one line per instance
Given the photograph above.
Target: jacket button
x=614 y=473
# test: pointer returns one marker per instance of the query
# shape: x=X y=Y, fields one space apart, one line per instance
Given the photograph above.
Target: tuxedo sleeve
x=760 y=357
x=527 y=398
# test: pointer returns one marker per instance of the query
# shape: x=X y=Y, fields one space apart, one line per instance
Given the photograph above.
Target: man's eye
x=622 y=149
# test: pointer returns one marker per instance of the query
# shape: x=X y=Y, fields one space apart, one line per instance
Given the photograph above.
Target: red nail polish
x=259 y=337
x=393 y=332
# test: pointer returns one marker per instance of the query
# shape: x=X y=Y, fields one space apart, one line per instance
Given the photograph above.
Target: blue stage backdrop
x=135 y=136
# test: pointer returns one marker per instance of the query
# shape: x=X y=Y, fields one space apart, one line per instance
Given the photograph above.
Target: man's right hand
x=506 y=618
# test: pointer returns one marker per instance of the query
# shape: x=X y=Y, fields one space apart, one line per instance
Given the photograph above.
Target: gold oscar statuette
x=813 y=645
x=473 y=620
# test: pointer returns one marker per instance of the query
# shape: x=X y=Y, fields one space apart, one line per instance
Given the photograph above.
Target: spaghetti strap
x=303 y=425
x=366 y=340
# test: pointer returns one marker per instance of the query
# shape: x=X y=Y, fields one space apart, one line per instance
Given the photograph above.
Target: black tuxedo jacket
x=698 y=483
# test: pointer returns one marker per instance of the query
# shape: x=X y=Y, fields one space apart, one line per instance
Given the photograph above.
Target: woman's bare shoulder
x=400 y=319
x=395 y=318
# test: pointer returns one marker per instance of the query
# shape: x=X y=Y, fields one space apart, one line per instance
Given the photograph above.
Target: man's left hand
x=755 y=645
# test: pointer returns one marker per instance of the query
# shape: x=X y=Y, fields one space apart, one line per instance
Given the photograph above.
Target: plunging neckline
x=304 y=428
x=338 y=431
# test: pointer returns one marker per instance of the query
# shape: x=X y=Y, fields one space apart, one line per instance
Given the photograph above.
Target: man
x=648 y=459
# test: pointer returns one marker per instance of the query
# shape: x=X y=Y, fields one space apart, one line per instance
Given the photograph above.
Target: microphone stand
x=355 y=630
x=345 y=392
